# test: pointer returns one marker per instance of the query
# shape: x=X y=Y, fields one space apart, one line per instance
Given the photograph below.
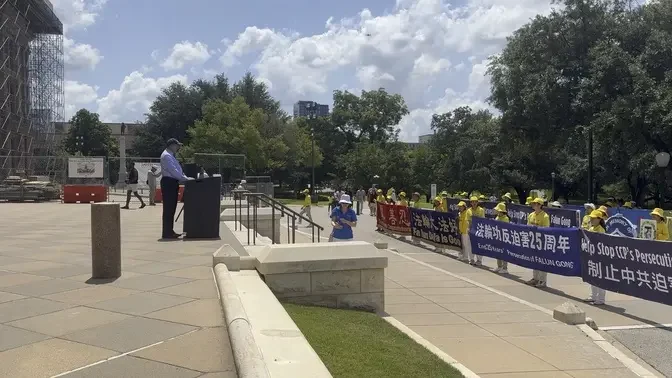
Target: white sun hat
x=345 y=199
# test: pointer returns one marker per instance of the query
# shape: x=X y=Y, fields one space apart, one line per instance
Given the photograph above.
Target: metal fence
x=52 y=169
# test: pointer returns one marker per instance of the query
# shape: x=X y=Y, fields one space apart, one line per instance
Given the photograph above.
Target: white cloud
x=77 y=14
x=80 y=56
x=407 y=51
x=135 y=94
x=77 y=96
x=186 y=53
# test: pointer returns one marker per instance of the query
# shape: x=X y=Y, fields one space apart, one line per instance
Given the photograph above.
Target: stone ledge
x=228 y=256
x=569 y=313
x=286 y=352
x=319 y=257
x=246 y=354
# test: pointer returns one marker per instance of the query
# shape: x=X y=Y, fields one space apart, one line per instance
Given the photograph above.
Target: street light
x=311 y=107
x=662 y=160
x=552 y=186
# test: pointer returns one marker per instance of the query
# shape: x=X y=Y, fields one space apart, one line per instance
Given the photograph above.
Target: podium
x=202 y=208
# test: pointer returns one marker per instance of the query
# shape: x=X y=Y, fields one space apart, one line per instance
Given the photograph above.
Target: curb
x=246 y=354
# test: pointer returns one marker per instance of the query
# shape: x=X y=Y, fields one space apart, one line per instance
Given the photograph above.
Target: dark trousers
x=169 y=191
x=359 y=206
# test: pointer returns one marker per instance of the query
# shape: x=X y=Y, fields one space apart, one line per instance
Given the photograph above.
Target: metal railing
x=253 y=202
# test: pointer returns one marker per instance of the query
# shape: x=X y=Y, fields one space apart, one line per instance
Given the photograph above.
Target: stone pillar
x=106 y=240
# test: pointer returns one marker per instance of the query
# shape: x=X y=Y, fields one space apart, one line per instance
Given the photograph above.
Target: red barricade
x=84 y=193
x=158 y=196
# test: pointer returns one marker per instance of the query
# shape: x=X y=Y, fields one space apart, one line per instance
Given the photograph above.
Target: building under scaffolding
x=31 y=85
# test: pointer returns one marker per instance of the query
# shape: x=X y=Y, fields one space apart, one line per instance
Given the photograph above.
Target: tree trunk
x=522 y=193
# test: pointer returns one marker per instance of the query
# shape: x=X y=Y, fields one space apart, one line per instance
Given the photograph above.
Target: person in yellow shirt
x=444 y=202
x=436 y=203
x=585 y=222
x=507 y=198
x=305 y=209
x=605 y=212
x=474 y=211
x=597 y=224
x=502 y=216
x=415 y=200
x=402 y=199
x=463 y=227
x=528 y=201
x=662 y=232
x=538 y=218
x=380 y=198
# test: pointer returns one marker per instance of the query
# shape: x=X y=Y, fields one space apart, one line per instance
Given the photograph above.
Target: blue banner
x=489 y=207
x=552 y=250
x=436 y=228
x=636 y=267
x=625 y=222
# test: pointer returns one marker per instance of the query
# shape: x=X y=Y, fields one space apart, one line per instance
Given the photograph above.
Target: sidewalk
x=162 y=318
x=490 y=334
x=493 y=334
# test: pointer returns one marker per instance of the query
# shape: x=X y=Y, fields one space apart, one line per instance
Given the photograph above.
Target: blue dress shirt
x=170 y=167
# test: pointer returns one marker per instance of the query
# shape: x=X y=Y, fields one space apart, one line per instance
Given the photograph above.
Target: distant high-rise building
x=301 y=110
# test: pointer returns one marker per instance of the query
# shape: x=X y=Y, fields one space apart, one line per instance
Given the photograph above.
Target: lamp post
x=662 y=161
x=552 y=186
x=311 y=107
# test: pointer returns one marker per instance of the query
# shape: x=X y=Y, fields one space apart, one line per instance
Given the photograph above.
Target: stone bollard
x=106 y=240
x=569 y=313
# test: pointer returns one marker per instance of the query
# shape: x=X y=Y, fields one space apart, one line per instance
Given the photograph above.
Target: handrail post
x=272 y=224
x=293 y=230
x=248 y=220
x=254 y=220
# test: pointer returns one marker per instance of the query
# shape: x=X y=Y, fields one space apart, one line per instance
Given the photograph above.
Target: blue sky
x=121 y=53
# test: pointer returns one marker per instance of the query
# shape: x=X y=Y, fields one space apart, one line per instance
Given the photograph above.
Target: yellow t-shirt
x=585 y=223
x=415 y=204
x=306 y=201
x=502 y=218
x=463 y=222
x=381 y=198
x=662 y=233
x=402 y=202
x=540 y=220
x=597 y=228
x=443 y=206
x=478 y=212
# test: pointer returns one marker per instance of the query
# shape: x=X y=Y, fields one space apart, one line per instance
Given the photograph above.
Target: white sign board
x=433 y=193
x=143 y=170
x=86 y=167
x=647 y=229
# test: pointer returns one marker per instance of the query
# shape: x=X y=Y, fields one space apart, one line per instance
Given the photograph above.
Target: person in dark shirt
x=132 y=186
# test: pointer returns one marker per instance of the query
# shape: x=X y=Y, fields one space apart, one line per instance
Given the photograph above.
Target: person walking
x=360 y=199
x=597 y=295
x=132 y=186
x=172 y=175
x=305 y=209
x=502 y=216
x=538 y=218
x=343 y=219
x=152 y=175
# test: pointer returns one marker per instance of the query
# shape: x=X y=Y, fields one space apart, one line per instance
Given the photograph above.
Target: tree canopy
x=88 y=136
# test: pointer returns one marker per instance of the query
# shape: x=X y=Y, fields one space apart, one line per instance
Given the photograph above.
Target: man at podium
x=170 y=186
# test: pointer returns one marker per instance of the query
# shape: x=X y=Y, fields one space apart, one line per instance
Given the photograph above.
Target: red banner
x=393 y=218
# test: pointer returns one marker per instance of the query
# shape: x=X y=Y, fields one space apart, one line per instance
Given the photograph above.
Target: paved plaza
x=162 y=318
x=469 y=313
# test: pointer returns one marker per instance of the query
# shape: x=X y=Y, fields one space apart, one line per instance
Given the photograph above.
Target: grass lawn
x=355 y=344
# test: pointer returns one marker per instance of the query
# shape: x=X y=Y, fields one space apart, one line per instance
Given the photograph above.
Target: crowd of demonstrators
x=593 y=221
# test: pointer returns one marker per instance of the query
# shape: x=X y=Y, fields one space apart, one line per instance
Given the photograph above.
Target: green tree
x=235 y=128
x=372 y=117
x=88 y=136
